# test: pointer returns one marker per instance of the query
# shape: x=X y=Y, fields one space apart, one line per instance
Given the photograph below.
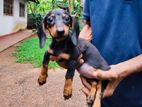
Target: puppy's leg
x=43 y=74
x=92 y=93
x=97 y=102
x=69 y=78
x=67 y=88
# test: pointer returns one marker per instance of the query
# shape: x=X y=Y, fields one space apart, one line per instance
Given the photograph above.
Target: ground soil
x=19 y=87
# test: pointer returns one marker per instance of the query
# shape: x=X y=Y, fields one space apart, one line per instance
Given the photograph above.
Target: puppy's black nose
x=60 y=32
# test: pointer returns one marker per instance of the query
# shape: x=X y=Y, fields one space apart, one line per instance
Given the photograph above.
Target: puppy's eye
x=66 y=19
x=50 y=20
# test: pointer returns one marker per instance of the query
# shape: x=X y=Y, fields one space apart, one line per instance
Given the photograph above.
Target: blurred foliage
x=77 y=8
x=45 y=5
x=34 y=19
x=37 y=10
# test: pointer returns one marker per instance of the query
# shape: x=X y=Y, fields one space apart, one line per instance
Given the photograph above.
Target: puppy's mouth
x=60 y=37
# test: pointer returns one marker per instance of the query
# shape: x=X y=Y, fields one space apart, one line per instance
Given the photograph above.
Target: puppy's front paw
x=42 y=79
x=90 y=99
x=67 y=92
x=67 y=89
x=92 y=94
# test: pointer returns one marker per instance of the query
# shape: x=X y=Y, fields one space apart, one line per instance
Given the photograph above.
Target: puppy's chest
x=57 y=51
x=64 y=52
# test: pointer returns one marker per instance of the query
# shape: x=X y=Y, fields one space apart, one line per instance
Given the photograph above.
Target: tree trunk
x=70 y=5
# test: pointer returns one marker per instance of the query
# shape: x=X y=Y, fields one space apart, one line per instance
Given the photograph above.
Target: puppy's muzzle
x=60 y=32
x=60 y=28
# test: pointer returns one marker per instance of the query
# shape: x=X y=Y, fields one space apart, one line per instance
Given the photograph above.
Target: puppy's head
x=58 y=23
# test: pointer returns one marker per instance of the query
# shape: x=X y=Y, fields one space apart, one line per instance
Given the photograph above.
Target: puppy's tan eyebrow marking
x=63 y=14
x=52 y=15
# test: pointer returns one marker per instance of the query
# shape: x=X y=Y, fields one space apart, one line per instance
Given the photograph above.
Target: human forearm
x=118 y=72
x=130 y=66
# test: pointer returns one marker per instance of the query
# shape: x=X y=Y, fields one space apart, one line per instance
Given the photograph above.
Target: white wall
x=11 y=24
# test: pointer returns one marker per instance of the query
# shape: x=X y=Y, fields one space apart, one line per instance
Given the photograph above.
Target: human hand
x=86 y=33
x=112 y=75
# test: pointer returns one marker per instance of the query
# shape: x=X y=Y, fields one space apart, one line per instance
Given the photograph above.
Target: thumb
x=101 y=75
x=109 y=90
x=85 y=91
x=112 y=85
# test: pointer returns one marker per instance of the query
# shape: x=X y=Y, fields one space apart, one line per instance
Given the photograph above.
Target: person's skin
x=116 y=73
x=86 y=33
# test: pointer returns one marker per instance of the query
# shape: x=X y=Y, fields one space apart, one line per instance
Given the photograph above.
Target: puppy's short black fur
x=66 y=47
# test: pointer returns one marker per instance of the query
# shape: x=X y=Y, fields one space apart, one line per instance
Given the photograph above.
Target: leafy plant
x=43 y=6
x=36 y=11
x=77 y=8
x=34 y=19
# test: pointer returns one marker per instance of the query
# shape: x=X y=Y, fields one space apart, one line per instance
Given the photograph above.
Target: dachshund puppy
x=67 y=49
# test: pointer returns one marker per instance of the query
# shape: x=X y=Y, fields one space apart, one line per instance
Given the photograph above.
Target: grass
x=29 y=51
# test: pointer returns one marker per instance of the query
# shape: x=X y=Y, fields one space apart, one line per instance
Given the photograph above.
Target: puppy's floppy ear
x=75 y=31
x=40 y=31
x=41 y=35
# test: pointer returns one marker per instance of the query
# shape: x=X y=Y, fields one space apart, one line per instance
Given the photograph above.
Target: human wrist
x=123 y=70
x=126 y=68
x=131 y=66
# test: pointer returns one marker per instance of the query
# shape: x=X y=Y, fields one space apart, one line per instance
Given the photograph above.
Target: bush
x=34 y=19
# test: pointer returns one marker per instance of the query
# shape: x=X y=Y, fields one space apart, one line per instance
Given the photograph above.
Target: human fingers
x=85 y=83
x=105 y=75
x=86 y=33
x=101 y=75
x=85 y=91
x=110 y=88
x=80 y=59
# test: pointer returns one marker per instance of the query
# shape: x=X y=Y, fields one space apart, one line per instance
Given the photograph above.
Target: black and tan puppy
x=67 y=49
